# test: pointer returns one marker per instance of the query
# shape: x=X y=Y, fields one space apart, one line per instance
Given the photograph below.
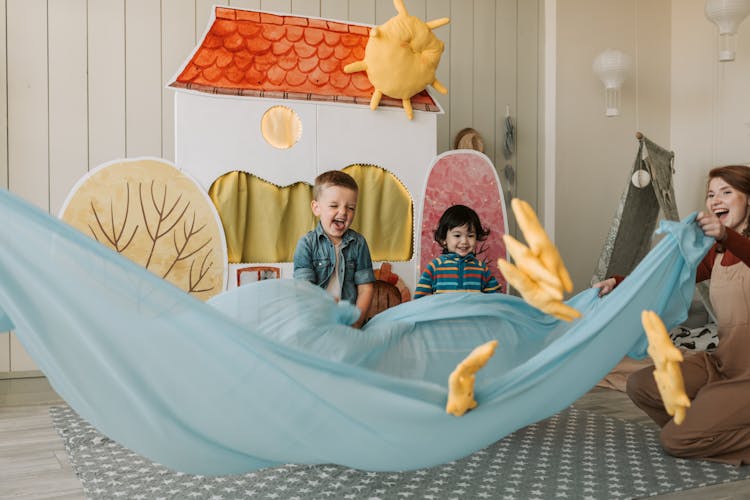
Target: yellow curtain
x=384 y=214
x=262 y=221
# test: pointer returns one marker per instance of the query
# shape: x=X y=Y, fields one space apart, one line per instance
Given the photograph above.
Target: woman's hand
x=605 y=286
x=711 y=226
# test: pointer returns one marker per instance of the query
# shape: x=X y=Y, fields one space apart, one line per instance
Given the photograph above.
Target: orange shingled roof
x=258 y=54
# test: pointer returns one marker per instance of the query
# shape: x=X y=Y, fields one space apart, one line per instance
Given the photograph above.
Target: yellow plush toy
x=539 y=274
x=667 y=372
x=401 y=58
x=461 y=381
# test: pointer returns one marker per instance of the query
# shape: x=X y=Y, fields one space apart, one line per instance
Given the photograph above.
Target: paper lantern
x=612 y=67
x=727 y=15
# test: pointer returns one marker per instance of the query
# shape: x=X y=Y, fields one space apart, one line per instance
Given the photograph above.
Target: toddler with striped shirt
x=457 y=269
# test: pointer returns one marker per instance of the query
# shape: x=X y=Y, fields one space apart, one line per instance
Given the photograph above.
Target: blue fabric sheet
x=269 y=373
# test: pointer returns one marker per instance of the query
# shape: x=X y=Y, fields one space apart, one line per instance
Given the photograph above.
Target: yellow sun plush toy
x=401 y=58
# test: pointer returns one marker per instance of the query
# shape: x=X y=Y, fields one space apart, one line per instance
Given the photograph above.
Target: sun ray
x=375 y=101
x=439 y=87
x=436 y=23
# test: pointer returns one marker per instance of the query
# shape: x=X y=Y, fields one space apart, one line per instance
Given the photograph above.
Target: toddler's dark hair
x=457 y=216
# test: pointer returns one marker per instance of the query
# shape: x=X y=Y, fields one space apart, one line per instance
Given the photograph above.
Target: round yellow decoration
x=281 y=127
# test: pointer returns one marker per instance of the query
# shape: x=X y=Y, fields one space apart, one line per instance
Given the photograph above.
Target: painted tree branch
x=115 y=238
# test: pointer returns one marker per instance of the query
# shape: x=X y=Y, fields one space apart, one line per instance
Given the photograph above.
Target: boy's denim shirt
x=314 y=259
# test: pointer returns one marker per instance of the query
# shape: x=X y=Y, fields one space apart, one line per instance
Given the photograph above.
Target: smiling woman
x=717 y=425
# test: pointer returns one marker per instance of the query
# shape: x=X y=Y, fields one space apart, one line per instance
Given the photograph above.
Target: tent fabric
x=269 y=373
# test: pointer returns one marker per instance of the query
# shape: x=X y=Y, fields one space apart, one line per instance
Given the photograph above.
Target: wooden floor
x=34 y=465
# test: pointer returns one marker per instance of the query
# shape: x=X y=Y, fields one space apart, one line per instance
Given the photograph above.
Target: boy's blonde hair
x=333 y=178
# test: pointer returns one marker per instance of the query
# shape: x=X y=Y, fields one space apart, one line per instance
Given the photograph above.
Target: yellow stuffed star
x=539 y=274
x=401 y=58
x=461 y=381
x=667 y=372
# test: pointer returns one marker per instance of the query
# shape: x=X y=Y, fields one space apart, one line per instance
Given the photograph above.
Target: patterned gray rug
x=574 y=454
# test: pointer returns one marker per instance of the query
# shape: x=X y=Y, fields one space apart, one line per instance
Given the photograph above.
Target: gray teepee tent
x=631 y=232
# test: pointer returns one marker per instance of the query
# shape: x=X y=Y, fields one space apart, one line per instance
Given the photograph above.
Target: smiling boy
x=334 y=256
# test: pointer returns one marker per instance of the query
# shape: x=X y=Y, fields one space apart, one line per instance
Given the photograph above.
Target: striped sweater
x=452 y=273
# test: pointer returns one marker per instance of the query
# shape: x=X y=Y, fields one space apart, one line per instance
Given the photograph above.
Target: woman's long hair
x=737 y=176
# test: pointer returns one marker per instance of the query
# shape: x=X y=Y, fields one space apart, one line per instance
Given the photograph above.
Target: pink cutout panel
x=464 y=177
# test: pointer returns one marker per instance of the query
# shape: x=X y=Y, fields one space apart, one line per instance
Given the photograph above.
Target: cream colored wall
x=83 y=83
x=710 y=102
x=594 y=153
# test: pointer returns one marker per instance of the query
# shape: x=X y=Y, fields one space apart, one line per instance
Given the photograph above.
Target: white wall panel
x=483 y=92
x=461 y=52
x=143 y=90
x=280 y=6
x=3 y=100
x=437 y=9
x=28 y=145
x=334 y=9
x=244 y=4
x=68 y=100
x=4 y=352
x=362 y=12
x=177 y=43
x=306 y=8
x=203 y=12
x=106 y=51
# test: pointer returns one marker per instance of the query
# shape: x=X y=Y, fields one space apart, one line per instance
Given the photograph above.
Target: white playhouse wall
x=217 y=134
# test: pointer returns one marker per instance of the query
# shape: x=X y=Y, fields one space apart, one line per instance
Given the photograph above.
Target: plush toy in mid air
x=539 y=274
x=461 y=381
x=401 y=58
x=667 y=372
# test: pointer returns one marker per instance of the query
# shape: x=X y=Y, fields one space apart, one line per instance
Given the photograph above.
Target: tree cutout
x=166 y=236
x=116 y=236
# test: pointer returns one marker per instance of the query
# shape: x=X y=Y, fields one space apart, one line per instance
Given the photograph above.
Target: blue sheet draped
x=269 y=373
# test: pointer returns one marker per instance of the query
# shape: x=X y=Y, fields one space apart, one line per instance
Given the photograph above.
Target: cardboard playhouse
x=264 y=104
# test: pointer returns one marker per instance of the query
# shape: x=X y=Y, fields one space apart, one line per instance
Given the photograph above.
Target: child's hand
x=667 y=372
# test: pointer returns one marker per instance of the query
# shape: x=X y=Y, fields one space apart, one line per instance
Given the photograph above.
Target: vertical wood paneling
x=143 y=91
x=483 y=93
x=362 y=12
x=28 y=120
x=527 y=174
x=106 y=49
x=384 y=10
x=280 y=6
x=245 y=4
x=306 y=8
x=178 y=42
x=505 y=92
x=3 y=100
x=461 y=66
x=334 y=9
x=437 y=9
x=203 y=12
x=68 y=100
x=5 y=352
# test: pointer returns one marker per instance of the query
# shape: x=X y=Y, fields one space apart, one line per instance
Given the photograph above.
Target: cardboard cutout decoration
x=667 y=372
x=157 y=216
x=401 y=58
x=539 y=274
